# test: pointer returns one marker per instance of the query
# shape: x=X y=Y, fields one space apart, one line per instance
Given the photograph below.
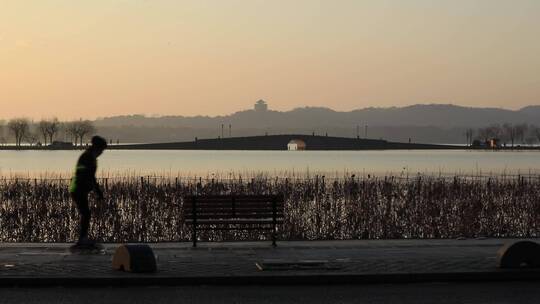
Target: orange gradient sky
x=88 y=59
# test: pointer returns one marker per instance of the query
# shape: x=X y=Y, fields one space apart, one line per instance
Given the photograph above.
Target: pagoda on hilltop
x=260 y=106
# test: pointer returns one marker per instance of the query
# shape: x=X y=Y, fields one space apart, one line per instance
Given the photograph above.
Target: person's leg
x=81 y=200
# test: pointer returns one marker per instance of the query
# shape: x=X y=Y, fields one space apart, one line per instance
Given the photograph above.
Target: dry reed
x=150 y=209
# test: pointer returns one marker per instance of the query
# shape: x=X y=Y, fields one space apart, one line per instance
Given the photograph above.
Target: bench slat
x=236 y=199
x=229 y=203
x=238 y=207
x=234 y=222
x=227 y=200
x=244 y=208
x=230 y=209
x=229 y=196
x=231 y=216
x=259 y=228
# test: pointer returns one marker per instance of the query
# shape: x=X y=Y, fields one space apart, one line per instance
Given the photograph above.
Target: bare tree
x=2 y=134
x=85 y=128
x=536 y=132
x=80 y=129
x=43 y=126
x=510 y=132
x=53 y=129
x=20 y=127
x=71 y=130
x=32 y=138
x=48 y=129
x=469 y=133
x=521 y=131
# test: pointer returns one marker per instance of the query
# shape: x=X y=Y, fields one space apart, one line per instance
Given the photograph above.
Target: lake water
x=275 y=163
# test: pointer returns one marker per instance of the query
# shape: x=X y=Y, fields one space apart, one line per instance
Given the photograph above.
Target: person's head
x=99 y=144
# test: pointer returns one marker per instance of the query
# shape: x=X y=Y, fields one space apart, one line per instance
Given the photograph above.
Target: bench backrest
x=233 y=207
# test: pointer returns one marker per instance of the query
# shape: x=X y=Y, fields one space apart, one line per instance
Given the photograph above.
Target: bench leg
x=194 y=237
x=274 y=239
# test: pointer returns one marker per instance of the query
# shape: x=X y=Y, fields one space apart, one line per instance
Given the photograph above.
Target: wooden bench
x=233 y=212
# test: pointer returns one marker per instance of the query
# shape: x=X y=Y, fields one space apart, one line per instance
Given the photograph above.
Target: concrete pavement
x=303 y=262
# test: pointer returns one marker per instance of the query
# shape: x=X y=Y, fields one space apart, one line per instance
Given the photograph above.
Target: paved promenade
x=319 y=262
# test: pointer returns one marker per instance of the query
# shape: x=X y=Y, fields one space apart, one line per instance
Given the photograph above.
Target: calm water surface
x=190 y=163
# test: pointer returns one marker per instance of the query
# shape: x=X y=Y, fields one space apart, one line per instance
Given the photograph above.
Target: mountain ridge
x=419 y=115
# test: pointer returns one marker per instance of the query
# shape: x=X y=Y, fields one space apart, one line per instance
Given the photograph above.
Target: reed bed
x=151 y=209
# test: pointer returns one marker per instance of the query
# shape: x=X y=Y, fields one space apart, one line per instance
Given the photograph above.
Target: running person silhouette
x=82 y=183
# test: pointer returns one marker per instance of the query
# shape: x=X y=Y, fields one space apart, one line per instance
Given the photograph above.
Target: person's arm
x=95 y=184
x=97 y=188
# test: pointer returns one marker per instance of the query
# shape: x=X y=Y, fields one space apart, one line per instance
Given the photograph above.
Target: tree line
x=507 y=134
x=24 y=131
x=45 y=131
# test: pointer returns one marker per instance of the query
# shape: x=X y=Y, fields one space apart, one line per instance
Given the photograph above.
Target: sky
x=87 y=59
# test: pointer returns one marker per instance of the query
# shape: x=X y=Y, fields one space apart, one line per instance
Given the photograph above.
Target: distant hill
x=533 y=111
x=437 y=115
x=430 y=123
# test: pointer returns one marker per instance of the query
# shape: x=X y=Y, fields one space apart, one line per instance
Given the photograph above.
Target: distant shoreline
x=280 y=143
